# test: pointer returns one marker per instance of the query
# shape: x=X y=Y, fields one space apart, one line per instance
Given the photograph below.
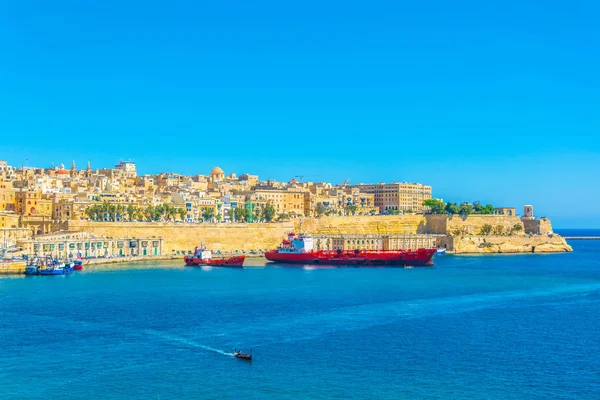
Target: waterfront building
x=375 y=242
x=398 y=196
x=84 y=245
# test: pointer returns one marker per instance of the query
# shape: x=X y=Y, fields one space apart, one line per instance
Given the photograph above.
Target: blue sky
x=489 y=101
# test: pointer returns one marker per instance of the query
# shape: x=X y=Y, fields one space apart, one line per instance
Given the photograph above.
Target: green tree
x=257 y=213
x=350 y=209
x=458 y=231
x=517 y=228
x=130 y=212
x=149 y=213
x=485 y=229
x=208 y=214
x=231 y=215
x=452 y=208
x=498 y=230
x=219 y=217
x=489 y=209
x=283 y=217
x=269 y=213
x=182 y=213
x=435 y=206
x=466 y=209
x=246 y=215
x=320 y=209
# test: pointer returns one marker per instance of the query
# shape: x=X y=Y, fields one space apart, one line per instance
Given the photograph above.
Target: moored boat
x=54 y=267
x=32 y=269
x=298 y=249
x=77 y=265
x=203 y=256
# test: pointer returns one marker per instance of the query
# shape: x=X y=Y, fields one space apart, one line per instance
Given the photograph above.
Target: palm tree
x=257 y=212
x=182 y=213
x=208 y=214
x=130 y=212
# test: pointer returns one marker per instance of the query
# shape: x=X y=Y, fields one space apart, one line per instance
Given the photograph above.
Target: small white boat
x=440 y=250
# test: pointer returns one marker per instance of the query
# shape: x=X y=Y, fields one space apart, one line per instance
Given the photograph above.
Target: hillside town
x=42 y=199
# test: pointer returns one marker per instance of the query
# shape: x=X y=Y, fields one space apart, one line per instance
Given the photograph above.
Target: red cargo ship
x=298 y=249
x=202 y=256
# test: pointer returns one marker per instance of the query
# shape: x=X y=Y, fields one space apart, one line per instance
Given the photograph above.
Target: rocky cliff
x=509 y=244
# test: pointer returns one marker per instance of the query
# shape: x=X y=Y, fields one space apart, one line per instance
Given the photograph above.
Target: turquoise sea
x=477 y=327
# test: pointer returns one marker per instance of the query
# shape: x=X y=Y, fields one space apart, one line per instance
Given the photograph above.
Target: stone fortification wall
x=506 y=244
x=364 y=225
x=222 y=237
x=469 y=225
x=537 y=226
x=231 y=237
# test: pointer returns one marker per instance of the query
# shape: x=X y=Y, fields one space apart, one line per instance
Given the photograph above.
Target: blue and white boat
x=440 y=250
x=56 y=268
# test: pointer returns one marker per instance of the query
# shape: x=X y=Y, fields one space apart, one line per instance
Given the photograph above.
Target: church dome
x=217 y=171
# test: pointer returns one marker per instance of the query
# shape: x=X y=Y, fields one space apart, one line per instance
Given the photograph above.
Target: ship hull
x=291 y=258
x=421 y=257
x=235 y=261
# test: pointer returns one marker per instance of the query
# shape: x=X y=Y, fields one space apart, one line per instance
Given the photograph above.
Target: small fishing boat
x=440 y=250
x=241 y=355
x=32 y=269
x=77 y=265
x=54 y=267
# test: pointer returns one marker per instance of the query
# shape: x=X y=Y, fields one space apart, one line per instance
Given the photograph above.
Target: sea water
x=484 y=327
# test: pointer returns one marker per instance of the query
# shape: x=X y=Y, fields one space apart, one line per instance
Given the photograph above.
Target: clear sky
x=496 y=101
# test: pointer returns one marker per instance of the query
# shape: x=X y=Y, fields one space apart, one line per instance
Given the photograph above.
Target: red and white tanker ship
x=298 y=249
x=203 y=256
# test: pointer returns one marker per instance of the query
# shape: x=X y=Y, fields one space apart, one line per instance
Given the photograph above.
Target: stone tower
x=528 y=212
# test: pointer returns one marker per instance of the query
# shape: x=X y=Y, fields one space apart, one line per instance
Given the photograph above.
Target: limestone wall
x=437 y=224
x=472 y=224
x=231 y=237
x=222 y=237
x=535 y=226
x=364 y=225
x=506 y=244
x=469 y=225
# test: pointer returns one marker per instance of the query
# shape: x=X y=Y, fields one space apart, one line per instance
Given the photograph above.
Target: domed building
x=62 y=170
x=217 y=174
